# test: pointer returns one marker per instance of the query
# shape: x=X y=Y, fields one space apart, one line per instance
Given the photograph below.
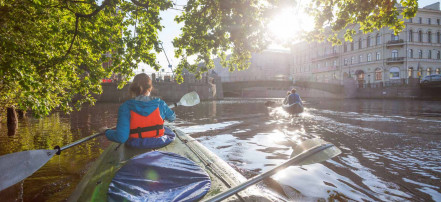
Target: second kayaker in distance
x=141 y=119
x=294 y=98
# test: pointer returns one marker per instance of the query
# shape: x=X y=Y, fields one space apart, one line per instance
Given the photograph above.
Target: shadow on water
x=391 y=149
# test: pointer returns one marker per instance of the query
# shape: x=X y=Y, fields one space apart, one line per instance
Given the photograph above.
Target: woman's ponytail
x=140 y=85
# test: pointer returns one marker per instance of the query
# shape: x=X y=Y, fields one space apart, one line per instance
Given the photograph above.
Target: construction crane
x=169 y=65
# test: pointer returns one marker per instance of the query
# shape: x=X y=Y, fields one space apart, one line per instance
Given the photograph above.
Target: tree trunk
x=21 y=113
x=12 y=121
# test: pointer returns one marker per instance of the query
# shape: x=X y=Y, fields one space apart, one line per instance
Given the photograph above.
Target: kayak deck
x=95 y=184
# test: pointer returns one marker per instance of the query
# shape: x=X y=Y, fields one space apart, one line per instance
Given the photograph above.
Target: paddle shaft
x=174 y=105
x=293 y=161
x=81 y=141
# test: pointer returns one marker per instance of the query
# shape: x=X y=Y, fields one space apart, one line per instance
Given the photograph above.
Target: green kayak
x=95 y=184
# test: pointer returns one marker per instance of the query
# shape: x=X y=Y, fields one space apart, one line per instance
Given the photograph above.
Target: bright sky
x=285 y=24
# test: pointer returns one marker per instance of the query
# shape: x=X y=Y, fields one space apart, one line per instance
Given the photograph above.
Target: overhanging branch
x=77 y=19
x=144 y=5
x=104 y=4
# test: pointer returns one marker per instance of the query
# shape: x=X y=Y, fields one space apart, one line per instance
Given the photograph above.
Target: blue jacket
x=294 y=98
x=122 y=132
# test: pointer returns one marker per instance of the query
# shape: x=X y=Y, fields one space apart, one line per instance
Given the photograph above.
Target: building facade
x=267 y=65
x=375 y=57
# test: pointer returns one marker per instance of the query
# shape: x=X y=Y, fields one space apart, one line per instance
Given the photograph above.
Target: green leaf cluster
x=338 y=19
x=52 y=51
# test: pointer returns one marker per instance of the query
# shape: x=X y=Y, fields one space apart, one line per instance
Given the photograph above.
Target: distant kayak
x=295 y=108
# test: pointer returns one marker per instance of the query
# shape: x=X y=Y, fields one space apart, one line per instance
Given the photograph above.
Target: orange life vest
x=146 y=126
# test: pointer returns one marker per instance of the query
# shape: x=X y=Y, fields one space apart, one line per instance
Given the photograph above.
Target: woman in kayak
x=141 y=119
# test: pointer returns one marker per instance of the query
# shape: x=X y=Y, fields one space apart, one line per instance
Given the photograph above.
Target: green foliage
x=215 y=28
x=333 y=17
x=52 y=51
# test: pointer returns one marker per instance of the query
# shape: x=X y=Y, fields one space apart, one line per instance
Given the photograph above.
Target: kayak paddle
x=17 y=166
x=188 y=100
x=308 y=152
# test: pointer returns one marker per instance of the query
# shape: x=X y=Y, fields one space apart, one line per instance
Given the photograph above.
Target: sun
x=289 y=24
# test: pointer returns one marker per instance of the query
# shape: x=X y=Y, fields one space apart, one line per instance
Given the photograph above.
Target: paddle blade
x=16 y=167
x=190 y=99
x=318 y=157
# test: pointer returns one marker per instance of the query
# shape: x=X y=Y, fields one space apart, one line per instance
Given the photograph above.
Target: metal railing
x=253 y=78
x=326 y=56
x=395 y=59
x=410 y=82
x=393 y=42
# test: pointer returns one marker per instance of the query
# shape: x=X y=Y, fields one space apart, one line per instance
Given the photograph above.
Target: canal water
x=391 y=149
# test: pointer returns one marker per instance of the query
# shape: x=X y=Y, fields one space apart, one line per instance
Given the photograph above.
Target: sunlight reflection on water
x=391 y=150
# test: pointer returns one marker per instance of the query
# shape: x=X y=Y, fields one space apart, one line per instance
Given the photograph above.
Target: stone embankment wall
x=314 y=93
x=405 y=89
x=411 y=90
x=208 y=89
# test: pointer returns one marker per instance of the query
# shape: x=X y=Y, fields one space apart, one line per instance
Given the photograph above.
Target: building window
x=360 y=59
x=369 y=57
x=378 y=39
x=438 y=55
x=420 y=54
x=429 y=36
x=346 y=62
x=378 y=74
x=429 y=71
x=430 y=54
x=429 y=21
x=368 y=41
x=335 y=63
x=334 y=49
x=437 y=21
x=410 y=53
x=345 y=47
x=394 y=37
x=352 y=45
x=420 y=20
x=438 y=37
x=377 y=57
x=394 y=54
x=352 y=60
x=360 y=44
x=420 y=36
x=410 y=35
x=394 y=73
x=437 y=71
x=410 y=20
